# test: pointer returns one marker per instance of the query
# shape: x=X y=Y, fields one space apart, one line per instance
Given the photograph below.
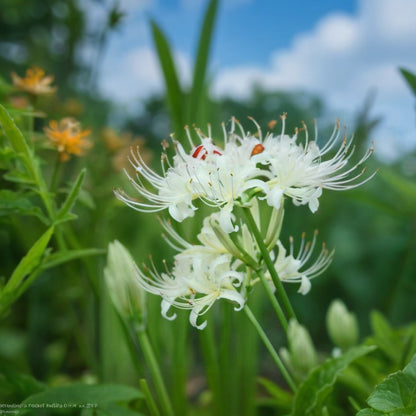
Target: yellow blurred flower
x=68 y=137
x=35 y=82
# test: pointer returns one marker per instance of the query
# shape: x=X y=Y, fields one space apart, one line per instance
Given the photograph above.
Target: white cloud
x=137 y=75
x=343 y=58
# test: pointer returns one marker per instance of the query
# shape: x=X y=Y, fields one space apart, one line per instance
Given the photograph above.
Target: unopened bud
x=341 y=325
x=301 y=356
x=123 y=287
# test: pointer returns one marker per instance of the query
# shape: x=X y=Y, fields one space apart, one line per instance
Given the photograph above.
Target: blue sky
x=338 y=49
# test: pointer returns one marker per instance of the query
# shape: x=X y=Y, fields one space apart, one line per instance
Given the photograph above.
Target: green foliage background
x=63 y=328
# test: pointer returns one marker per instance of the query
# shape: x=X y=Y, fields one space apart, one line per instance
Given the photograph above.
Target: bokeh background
x=314 y=60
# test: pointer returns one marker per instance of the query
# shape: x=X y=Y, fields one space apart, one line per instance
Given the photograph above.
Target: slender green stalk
x=181 y=359
x=56 y=173
x=154 y=411
x=280 y=290
x=270 y=348
x=155 y=371
x=227 y=364
x=212 y=365
x=276 y=306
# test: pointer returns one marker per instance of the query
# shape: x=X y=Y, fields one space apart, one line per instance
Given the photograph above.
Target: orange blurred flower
x=68 y=137
x=35 y=82
x=120 y=144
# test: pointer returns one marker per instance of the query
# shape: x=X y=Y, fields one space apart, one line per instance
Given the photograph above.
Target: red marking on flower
x=201 y=153
x=257 y=149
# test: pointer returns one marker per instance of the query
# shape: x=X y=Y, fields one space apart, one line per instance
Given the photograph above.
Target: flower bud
x=125 y=292
x=341 y=325
x=301 y=356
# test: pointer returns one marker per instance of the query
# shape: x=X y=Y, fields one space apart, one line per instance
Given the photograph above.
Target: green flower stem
x=276 y=306
x=56 y=173
x=270 y=348
x=154 y=411
x=280 y=290
x=212 y=365
x=155 y=371
x=180 y=356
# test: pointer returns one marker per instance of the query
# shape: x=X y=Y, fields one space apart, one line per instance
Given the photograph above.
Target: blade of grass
x=173 y=88
x=201 y=62
x=410 y=79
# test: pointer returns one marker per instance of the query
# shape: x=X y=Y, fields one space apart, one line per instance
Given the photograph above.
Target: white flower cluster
x=245 y=170
x=275 y=167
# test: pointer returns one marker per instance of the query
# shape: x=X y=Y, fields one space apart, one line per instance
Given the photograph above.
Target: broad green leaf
x=173 y=89
x=201 y=62
x=410 y=78
x=64 y=256
x=81 y=394
x=71 y=198
x=397 y=392
x=313 y=391
x=29 y=262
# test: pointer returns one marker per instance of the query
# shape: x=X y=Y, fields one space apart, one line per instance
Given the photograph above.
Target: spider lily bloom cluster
x=246 y=171
x=247 y=165
x=205 y=272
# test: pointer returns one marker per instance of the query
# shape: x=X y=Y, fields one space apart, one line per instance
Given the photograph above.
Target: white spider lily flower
x=300 y=172
x=172 y=190
x=295 y=269
x=277 y=166
x=197 y=280
x=216 y=176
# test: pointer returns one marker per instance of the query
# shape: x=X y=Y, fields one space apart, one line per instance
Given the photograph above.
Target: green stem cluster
x=154 y=368
x=281 y=294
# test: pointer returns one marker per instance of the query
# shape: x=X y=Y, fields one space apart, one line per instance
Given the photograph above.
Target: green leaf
x=313 y=391
x=28 y=263
x=19 y=177
x=282 y=397
x=173 y=89
x=397 y=392
x=370 y=412
x=61 y=257
x=81 y=394
x=22 y=384
x=21 y=147
x=111 y=409
x=384 y=337
x=201 y=61
x=62 y=215
x=410 y=78
x=15 y=136
x=15 y=203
